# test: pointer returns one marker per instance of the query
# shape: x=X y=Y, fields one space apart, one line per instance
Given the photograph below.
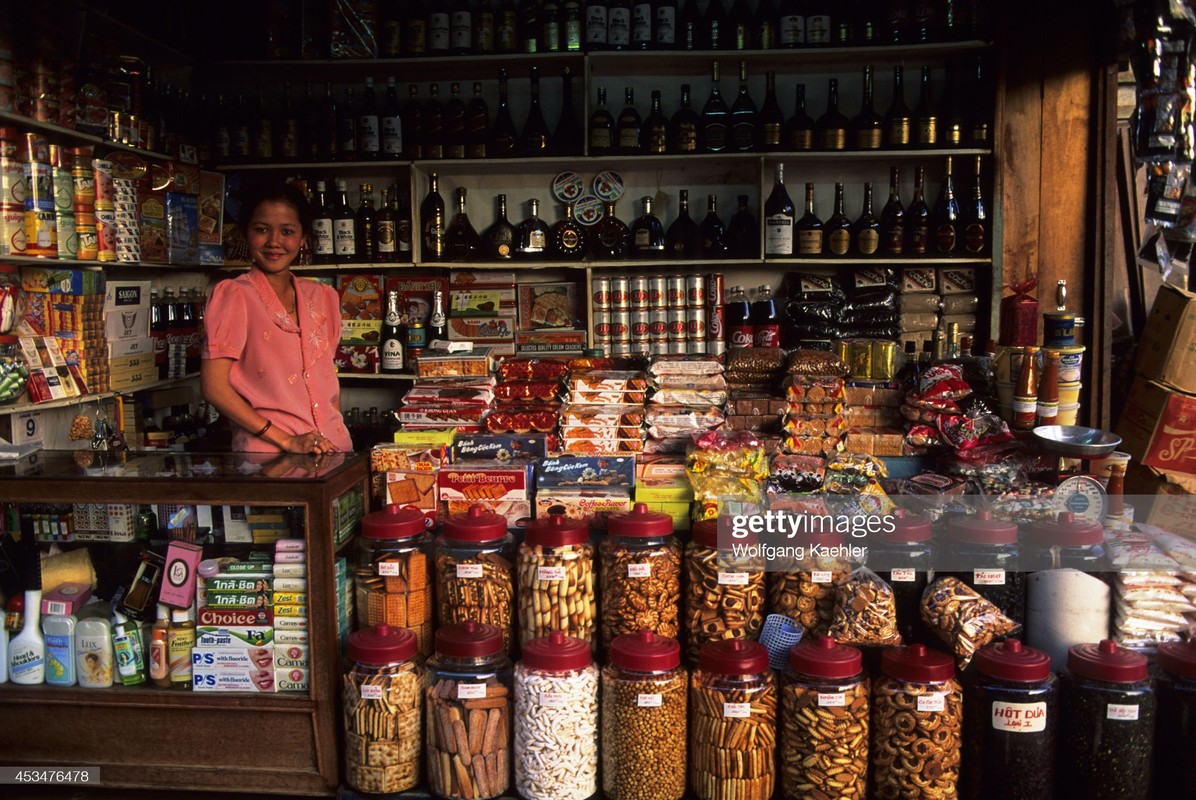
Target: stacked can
x=37 y=88
x=716 y=315
x=7 y=74
x=655 y=315
x=83 y=180
x=105 y=210
x=600 y=306
x=64 y=194
x=13 y=190
x=41 y=227
x=128 y=228
x=695 y=315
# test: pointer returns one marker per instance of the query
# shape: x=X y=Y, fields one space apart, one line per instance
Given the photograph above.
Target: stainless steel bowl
x=1076 y=441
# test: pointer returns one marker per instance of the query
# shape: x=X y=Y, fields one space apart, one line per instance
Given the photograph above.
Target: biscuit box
x=589 y=472
x=547 y=305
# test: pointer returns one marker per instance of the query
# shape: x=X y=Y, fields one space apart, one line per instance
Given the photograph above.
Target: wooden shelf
x=98 y=265
x=446 y=68
x=94 y=397
x=366 y=376
x=77 y=136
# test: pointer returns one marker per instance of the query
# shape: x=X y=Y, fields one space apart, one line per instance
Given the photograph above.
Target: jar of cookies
x=824 y=721
x=644 y=706
x=383 y=705
x=725 y=596
x=394 y=586
x=733 y=731
x=468 y=727
x=984 y=553
x=805 y=590
x=902 y=556
x=640 y=576
x=556 y=579
x=917 y=711
x=475 y=571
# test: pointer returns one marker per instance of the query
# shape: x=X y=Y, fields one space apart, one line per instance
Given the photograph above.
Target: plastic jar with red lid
x=640 y=575
x=393 y=573
x=903 y=557
x=556 y=579
x=475 y=571
x=1065 y=542
x=983 y=552
x=725 y=596
x=1175 y=732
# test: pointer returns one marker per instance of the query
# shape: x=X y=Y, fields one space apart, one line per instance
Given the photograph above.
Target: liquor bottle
x=907 y=376
x=798 y=133
x=741 y=25
x=953 y=124
x=819 y=24
x=743 y=115
x=392 y=123
x=682 y=238
x=791 y=24
x=898 y=120
x=550 y=26
x=483 y=29
x=506 y=28
x=865 y=232
x=716 y=27
x=437 y=320
x=368 y=132
x=715 y=114
x=712 y=233
x=654 y=134
x=309 y=130
x=664 y=25
x=240 y=139
x=917 y=226
x=602 y=127
x=683 y=127
x=611 y=239
x=743 y=233
x=567 y=239
x=843 y=30
x=321 y=227
x=504 y=139
x=618 y=25
x=980 y=113
x=326 y=128
x=945 y=220
x=689 y=27
x=771 y=120
x=898 y=22
x=809 y=228
x=535 y=129
x=974 y=219
x=433 y=115
x=869 y=26
x=415 y=29
x=629 y=124
x=439 y=29
x=926 y=119
x=454 y=123
x=412 y=121
x=390 y=25
x=647 y=234
x=461 y=240
x=832 y=125
x=529 y=26
x=868 y=127
x=837 y=229
x=641 y=25
x=892 y=219
x=477 y=124
x=402 y=224
x=461 y=28
x=924 y=21
x=595 y=25
x=344 y=227
x=346 y=129
x=498 y=243
x=764 y=25
x=386 y=231
x=390 y=350
x=287 y=128
x=431 y=222
x=363 y=224
x=531 y=236
x=567 y=138
x=779 y=215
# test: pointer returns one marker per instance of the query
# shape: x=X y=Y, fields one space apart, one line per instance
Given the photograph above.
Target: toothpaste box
x=291 y=680
x=235 y=679
x=247 y=658
x=238 y=583
x=234 y=618
x=290 y=624
x=289 y=598
x=291 y=656
x=239 y=600
x=233 y=637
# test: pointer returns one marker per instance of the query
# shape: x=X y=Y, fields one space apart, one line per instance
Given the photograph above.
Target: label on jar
x=639 y=570
x=649 y=700
x=469 y=570
x=371 y=691
x=1122 y=713
x=471 y=691
x=554 y=699
x=1019 y=717
x=903 y=575
x=739 y=710
x=932 y=702
x=732 y=579
x=388 y=568
x=550 y=573
x=822 y=576
x=832 y=699
x=988 y=577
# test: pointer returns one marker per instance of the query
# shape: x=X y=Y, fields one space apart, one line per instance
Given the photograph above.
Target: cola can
x=678 y=348
x=674 y=296
x=695 y=291
x=676 y=325
x=600 y=294
x=620 y=294
x=620 y=326
x=657 y=291
x=602 y=323
x=715 y=289
x=658 y=325
x=716 y=330
x=695 y=324
x=638 y=289
x=639 y=326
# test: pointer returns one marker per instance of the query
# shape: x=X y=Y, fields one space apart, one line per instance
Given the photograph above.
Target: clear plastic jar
x=805 y=591
x=469 y=713
x=733 y=735
x=1107 y=740
x=475 y=571
x=917 y=712
x=1175 y=735
x=641 y=575
x=383 y=704
x=644 y=696
x=556 y=579
x=1011 y=724
x=903 y=557
x=394 y=586
x=984 y=553
x=556 y=719
x=824 y=719
x=1066 y=542
x=721 y=602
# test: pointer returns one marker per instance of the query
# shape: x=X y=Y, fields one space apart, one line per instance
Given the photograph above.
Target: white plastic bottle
x=27 y=650
x=59 y=632
x=3 y=653
x=93 y=653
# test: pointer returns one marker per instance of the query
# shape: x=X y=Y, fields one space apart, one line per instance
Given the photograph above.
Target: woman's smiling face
x=275 y=236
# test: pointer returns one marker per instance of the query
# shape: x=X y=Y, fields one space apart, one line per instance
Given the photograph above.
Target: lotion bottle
x=59 y=633
x=93 y=653
x=27 y=650
x=130 y=652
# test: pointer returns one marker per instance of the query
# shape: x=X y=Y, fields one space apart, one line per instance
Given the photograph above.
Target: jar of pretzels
x=725 y=596
x=984 y=553
x=641 y=575
x=902 y=556
x=394 y=583
x=804 y=590
x=469 y=713
x=383 y=705
x=824 y=722
x=475 y=571
x=917 y=711
x=644 y=697
x=555 y=571
x=733 y=723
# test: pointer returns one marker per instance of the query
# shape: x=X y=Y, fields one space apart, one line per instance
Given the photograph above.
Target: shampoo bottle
x=180 y=640
x=93 y=653
x=130 y=652
x=159 y=657
x=59 y=632
x=27 y=650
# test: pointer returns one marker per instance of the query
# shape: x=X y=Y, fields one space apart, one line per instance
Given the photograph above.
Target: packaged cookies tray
x=608 y=396
x=608 y=380
x=601 y=432
x=602 y=415
x=522 y=419
x=598 y=447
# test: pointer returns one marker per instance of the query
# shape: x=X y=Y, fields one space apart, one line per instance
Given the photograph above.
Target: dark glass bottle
x=286 y=129
x=917 y=230
x=344 y=227
x=868 y=127
x=309 y=130
x=743 y=115
x=594 y=25
x=819 y=23
x=618 y=25
x=832 y=125
x=346 y=129
x=531 y=236
x=716 y=27
x=403 y=224
x=483 y=28
x=798 y=133
x=689 y=27
x=779 y=215
x=647 y=234
x=743 y=232
x=837 y=229
x=433 y=116
x=953 y=123
x=439 y=29
x=898 y=22
x=328 y=130
x=945 y=222
x=764 y=26
x=432 y=223
x=898 y=120
x=506 y=28
x=240 y=138
x=926 y=115
x=664 y=25
x=980 y=112
x=714 y=132
x=498 y=243
x=261 y=130
x=611 y=239
x=771 y=120
x=551 y=26
x=682 y=238
x=602 y=127
x=454 y=123
x=414 y=36
x=641 y=25
x=629 y=125
x=529 y=26
x=791 y=24
x=323 y=249
x=391 y=349
x=567 y=138
x=654 y=135
x=844 y=32
x=363 y=228
x=865 y=231
x=391 y=138
x=974 y=219
x=712 y=231
x=869 y=23
x=477 y=125
x=437 y=319
x=535 y=129
x=369 y=132
x=412 y=118
x=892 y=219
x=809 y=236
x=386 y=232
x=567 y=239
x=504 y=139
x=461 y=240
x=683 y=127
x=924 y=21
x=741 y=25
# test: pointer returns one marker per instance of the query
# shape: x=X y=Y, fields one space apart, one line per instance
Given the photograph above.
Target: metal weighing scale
x=1081 y=494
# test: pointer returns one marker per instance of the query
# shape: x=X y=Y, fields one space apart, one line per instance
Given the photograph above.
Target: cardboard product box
x=120 y=295
x=505 y=490
x=1167 y=347
x=211 y=207
x=547 y=305
x=1158 y=427
x=561 y=343
x=361 y=308
x=151 y=214
x=919 y=279
x=231 y=679
x=957 y=280
x=412 y=488
x=182 y=228
x=594 y=504
x=1165 y=499
x=481 y=329
x=470 y=278
x=416 y=295
x=356 y=358
x=121 y=348
x=577 y=473
x=501 y=447
x=680 y=512
x=62 y=281
x=482 y=301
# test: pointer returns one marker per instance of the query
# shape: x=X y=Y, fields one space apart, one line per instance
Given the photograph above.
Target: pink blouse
x=285 y=372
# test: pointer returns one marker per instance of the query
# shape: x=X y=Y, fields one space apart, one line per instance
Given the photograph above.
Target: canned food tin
x=12 y=231
x=600 y=294
x=8 y=141
x=1071 y=362
x=41 y=234
x=64 y=194
x=715 y=289
x=1058 y=329
x=657 y=291
x=88 y=241
x=14 y=185
x=643 y=348
x=602 y=326
x=716 y=323
x=674 y=296
x=639 y=326
x=105 y=234
x=638 y=287
x=39 y=178
x=68 y=238
x=695 y=291
x=105 y=189
x=620 y=294
x=676 y=325
x=620 y=326
x=695 y=324
x=35 y=147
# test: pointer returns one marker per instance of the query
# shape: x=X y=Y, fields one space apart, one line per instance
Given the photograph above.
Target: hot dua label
x=550 y=573
x=371 y=691
x=1019 y=717
x=469 y=570
x=931 y=702
x=471 y=691
x=740 y=710
x=1122 y=713
x=639 y=570
x=988 y=577
x=732 y=579
x=904 y=575
x=831 y=699
x=822 y=576
x=648 y=700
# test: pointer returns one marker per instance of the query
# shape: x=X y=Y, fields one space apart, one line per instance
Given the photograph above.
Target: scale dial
x=1084 y=496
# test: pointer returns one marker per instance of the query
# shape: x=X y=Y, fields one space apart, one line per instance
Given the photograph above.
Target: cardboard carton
x=1167 y=349
x=1158 y=427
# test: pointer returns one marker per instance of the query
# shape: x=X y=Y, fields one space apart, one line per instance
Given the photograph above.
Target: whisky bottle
x=974 y=219
x=810 y=240
x=945 y=217
x=344 y=227
x=363 y=225
x=535 y=130
x=531 y=236
x=412 y=120
x=743 y=115
x=499 y=240
x=439 y=29
x=743 y=232
x=477 y=125
x=892 y=219
x=595 y=25
x=771 y=120
x=682 y=237
x=454 y=123
x=764 y=26
x=641 y=25
x=654 y=134
x=414 y=34
x=567 y=239
x=550 y=26
x=391 y=122
x=321 y=227
x=506 y=28
x=386 y=232
x=629 y=124
x=837 y=229
x=647 y=234
x=664 y=25
x=369 y=134
x=433 y=114
x=461 y=239
x=779 y=215
x=868 y=126
x=602 y=127
x=791 y=24
x=461 y=28
x=483 y=29
x=819 y=23
x=618 y=29
x=611 y=239
x=898 y=122
x=926 y=118
x=715 y=114
x=504 y=139
x=798 y=133
x=832 y=125
x=431 y=222
x=683 y=127
x=712 y=232
x=865 y=232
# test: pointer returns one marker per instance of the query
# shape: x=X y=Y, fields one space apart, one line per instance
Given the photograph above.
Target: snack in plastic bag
x=962 y=618
x=796 y=473
x=865 y=612
x=943 y=382
x=816 y=362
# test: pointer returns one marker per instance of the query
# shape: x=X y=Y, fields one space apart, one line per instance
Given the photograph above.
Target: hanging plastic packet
x=1165 y=186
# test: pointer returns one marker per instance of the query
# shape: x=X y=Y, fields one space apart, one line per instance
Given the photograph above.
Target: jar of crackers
x=475 y=571
x=556 y=580
x=725 y=596
x=804 y=590
x=394 y=584
x=640 y=575
x=383 y=706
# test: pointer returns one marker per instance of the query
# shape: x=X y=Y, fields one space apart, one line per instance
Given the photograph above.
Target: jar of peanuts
x=383 y=708
x=394 y=585
x=733 y=734
x=469 y=713
x=641 y=575
x=824 y=721
x=644 y=719
x=556 y=719
x=475 y=571
x=725 y=596
x=917 y=709
x=555 y=570
x=805 y=590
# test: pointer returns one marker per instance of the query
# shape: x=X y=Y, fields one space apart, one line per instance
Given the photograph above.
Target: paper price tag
x=738 y=710
x=550 y=573
x=388 y=568
x=471 y=691
x=639 y=570
x=469 y=570
x=732 y=579
x=554 y=699
x=832 y=699
x=822 y=576
x=1019 y=717
x=649 y=700
x=1122 y=713
x=371 y=691
x=903 y=575
x=988 y=577
x=932 y=702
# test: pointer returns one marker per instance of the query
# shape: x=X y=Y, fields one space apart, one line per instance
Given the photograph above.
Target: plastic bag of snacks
x=13 y=375
x=735 y=452
x=816 y=362
x=962 y=618
x=865 y=612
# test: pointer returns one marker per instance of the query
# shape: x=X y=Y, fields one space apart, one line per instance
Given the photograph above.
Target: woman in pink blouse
x=271 y=339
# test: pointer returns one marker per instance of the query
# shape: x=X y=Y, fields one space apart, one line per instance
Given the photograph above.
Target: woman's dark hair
x=275 y=192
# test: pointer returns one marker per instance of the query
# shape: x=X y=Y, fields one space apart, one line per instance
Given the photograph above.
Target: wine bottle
x=664 y=25
x=743 y=115
x=641 y=25
x=647 y=234
x=837 y=229
x=798 y=133
x=715 y=115
x=261 y=130
x=567 y=239
x=477 y=124
x=390 y=351
x=483 y=29
x=431 y=222
x=595 y=25
x=716 y=27
x=611 y=238
x=654 y=134
x=953 y=123
x=461 y=240
x=324 y=252
x=926 y=120
x=819 y=23
x=917 y=231
x=712 y=232
x=535 y=130
x=865 y=231
x=363 y=225
x=437 y=319
x=743 y=233
x=945 y=217
x=602 y=127
x=392 y=123
x=344 y=227
x=771 y=121
x=439 y=29
x=843 y=30
x=531 y=235
x=386 y=239
x=414 y=35
x=506 y=28
x=433 y=116
x=550 y=26
x=868 y=127
x=689 y=27
x=461 y=28
x=832 y=125
x=571 y=26
x=764 y=25
x=454 y=123
x=402 y=224
x=567 y=137
x=618 y=25
x=412 y=121
x=683 y=127
x=791 y=24
x=528 y=26
x=504 y=141
x=974 y=219
x=810 y=240
x=328 y=121
x=869 y=26
x=779 y=215
x=924 y=21
x=682 y=238
x=898 y=22
x=286 y=129
x=741 y=25
x=629 y=124
x=499 y=240
x=892 y=219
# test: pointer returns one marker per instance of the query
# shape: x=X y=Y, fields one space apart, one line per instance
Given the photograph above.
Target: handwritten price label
x=371 y=691
x=550 y=573
x=554 y=699
x=639 y=570
x=822 y=576
x=988 y=577
x=732 y=579
x=1121 y=713
x=1019 y=717
x=737 y=710
x=649 y=700
x=469 y=571
x=904 y=575
x=832 y=699
x=471 y=691
x=931 y=702
x=388 y=568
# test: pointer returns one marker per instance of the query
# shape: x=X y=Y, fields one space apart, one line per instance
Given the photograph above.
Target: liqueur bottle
x=898 y=120
x=535 y=130
x=454 y=123
x=364 y=224
x=715 y=115
x=499 y=240
x=531 y=237
x=647 y=234
x=798 y=133
x=832 y=125
x=917 y=231
x=712 y=231
x=386 y=232
x=324 y=252
x=682 y=237
x=945 y=221
x=743 y=232
x=611 y=239
x=390 y=350
x=567 y=239
x=433 y=122
x=504 y=139
x=926 y=117
x=412 y=122
x=868 y=127
x=865 y=231
x=369 y=133
x=654 y=134
x=477 y=125
x=683 y=127
x=629 y=125
x=743 y=115
x=771 y=120
x=461 y=240
x=431 y=221
x=837 y=229
x=567 y=138
x=974 y=219
x=391 y=122
x=892 y=219
x=809 y=228
x=779 y=215
x=602 y=127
